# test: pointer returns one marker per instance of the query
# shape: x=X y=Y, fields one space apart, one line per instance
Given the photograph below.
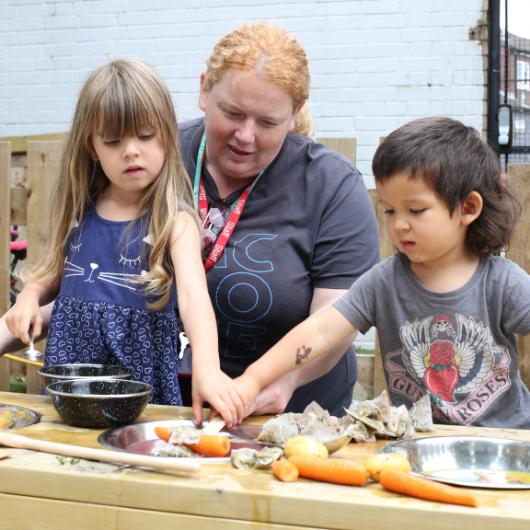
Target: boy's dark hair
x=454 y=161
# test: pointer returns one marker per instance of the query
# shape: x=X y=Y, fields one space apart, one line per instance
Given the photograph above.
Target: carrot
x=285 y=470
x=336 y=470
x=423 y=488
x=208 y=445
x=211 y=445
x=163 y=433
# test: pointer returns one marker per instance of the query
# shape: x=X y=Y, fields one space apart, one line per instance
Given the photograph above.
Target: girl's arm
x=26 y=312
x=209 y=383
x=321 y=332
x=10 y=343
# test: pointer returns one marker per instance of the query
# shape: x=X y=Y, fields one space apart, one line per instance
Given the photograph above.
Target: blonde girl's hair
x=265 y=48
x=124 y=97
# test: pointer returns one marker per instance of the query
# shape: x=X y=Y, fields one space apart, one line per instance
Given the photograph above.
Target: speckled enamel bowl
x=65 y=372
x=99 y=403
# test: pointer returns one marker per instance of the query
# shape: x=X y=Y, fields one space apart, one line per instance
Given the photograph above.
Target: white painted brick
x=375 y=64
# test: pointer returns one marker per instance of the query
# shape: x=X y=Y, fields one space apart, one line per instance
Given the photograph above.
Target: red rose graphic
x=442 y=376
x=442 y=352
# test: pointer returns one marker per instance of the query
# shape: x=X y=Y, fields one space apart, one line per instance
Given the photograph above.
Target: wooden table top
x=95 y=495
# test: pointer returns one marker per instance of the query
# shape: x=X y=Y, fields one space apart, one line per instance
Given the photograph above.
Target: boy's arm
x=318 y=334
x=274 y=398
x=209 y=383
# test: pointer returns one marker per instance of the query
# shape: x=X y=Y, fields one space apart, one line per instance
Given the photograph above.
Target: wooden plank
x=519 y=250
x=44 y=160
x=19 y=144
x=30 y=512
x=19 y=201
x=5 y=255
x=345 y=146
x=386 y=249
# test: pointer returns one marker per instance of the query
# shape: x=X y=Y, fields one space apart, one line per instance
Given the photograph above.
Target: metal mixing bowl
x=472 y=461
x=99 y=403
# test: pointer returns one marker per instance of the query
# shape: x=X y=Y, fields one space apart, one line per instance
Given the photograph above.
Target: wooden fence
x=23 y=201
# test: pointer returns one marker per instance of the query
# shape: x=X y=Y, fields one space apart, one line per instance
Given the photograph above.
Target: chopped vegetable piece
x=336 y=470
x=208 y=445
x=285 y=470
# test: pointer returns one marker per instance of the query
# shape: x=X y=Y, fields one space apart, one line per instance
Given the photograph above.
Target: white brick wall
x=375 y=64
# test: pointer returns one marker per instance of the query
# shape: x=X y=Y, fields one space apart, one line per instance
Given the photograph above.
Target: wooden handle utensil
x=101 y=455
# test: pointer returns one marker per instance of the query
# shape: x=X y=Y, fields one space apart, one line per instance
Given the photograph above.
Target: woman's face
x=247 y=119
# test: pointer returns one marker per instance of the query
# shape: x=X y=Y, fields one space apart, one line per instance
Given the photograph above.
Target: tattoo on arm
x=302 y=353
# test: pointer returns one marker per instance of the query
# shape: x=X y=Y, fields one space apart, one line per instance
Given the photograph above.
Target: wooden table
x=38 y=492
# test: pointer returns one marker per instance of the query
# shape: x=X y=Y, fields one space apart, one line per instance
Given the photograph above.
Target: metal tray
x=140 y=438
x=471 y=461
x=20 y=416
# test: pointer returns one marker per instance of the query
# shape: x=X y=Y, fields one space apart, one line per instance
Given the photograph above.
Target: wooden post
x=386 y=249
x=345 y=146
x=5 y=256
x=519 y=250
x=44 y=159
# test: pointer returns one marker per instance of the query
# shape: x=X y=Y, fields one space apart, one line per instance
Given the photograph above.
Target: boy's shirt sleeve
x=516 y=294
x=359 y=303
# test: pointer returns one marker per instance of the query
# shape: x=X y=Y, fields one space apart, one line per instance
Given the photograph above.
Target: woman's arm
x=274 y=398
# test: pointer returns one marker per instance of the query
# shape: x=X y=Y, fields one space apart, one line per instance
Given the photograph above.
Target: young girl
x=446 y=309
x=122 y=237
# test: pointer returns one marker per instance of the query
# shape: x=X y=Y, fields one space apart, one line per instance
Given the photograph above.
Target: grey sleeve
x=516 y=300
x=347 y=242
x=358 y=304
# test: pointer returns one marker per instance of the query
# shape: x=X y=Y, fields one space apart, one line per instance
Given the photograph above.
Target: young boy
x=446 y=309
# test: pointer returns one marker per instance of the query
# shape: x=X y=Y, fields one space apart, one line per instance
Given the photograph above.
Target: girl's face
x=131 y=163
x=419 y=223
x=247 y=119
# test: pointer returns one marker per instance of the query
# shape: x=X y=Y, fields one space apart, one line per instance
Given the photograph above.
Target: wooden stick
x=113 y=457
x=38 y=364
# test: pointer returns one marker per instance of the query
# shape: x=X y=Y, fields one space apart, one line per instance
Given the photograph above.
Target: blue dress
x=100 y=315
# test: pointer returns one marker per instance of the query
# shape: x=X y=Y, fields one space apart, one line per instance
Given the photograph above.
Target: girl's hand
x=219 y=390
x=23 y=315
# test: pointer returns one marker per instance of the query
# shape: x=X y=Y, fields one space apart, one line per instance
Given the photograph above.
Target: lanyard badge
x=222 y=233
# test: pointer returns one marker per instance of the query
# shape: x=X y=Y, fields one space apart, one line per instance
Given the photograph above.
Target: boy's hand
x=25 y=314
x=248 y=388
x=219 y=390
x=274 y=398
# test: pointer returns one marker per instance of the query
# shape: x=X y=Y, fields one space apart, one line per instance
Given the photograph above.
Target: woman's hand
x=220 y=392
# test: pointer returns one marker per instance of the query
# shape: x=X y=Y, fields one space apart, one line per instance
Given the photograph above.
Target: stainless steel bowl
x=471 y=461
x=140 y=438
x=13 y=417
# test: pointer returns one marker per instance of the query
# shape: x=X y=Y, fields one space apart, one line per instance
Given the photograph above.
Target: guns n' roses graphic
x=455 y=361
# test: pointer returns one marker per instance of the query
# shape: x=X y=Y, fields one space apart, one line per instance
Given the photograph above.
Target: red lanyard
x=201 y=205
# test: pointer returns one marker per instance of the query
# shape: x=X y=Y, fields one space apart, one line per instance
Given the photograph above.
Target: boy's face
x=419 y=223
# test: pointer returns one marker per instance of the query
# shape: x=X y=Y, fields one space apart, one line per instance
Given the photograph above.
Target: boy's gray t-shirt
x=459 y=346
